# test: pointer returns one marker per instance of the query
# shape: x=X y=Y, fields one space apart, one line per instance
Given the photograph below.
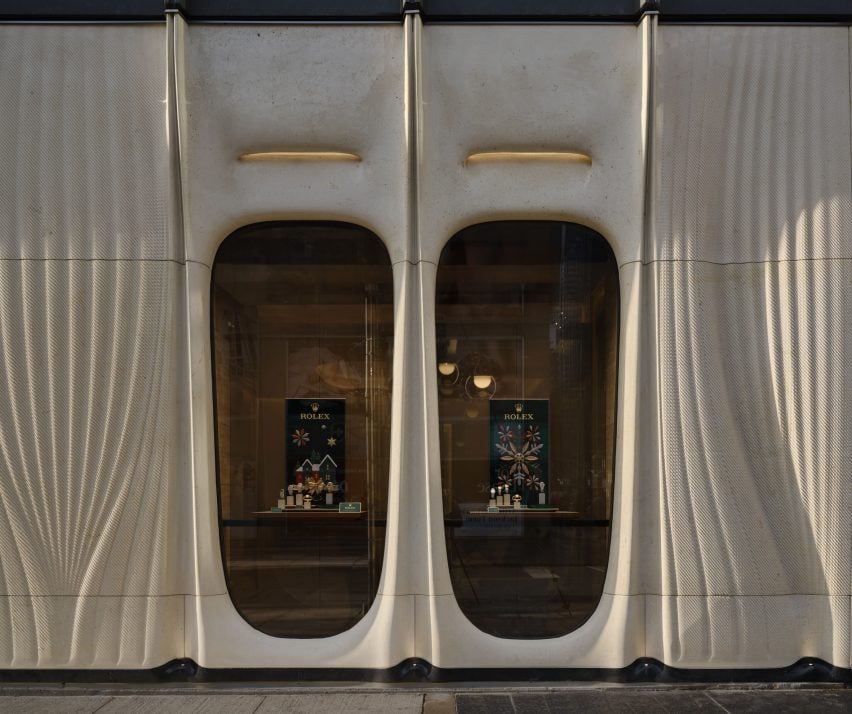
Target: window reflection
x=302 y=333
x=527 y=331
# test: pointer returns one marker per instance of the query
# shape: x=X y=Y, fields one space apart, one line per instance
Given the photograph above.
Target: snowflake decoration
x=534 y=482
x=505 y=434
x=533 y=435
x=301 y=437
x=519 y=460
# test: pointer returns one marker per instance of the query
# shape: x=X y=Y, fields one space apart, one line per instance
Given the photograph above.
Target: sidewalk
x=472 y=699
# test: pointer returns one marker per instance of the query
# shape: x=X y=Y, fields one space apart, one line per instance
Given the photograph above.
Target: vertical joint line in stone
x=649 y=80
x=849 y=60
x=649 y=226
x=413 y=115
x=174 y=133
x=175 y=33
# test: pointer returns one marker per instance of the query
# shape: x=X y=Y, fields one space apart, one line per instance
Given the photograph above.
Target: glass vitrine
x=302 y=319
x=527 y=341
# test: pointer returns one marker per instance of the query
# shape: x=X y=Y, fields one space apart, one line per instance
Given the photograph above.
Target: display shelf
x=526 y=512
x=297 y=510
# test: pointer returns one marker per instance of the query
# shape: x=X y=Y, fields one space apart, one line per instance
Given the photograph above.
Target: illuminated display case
x=302 y=339
x=527 y=324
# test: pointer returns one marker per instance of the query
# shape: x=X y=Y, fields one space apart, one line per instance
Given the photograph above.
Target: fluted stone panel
x=749 y=294
x=756 y=429
x=746 y=557
x=83 y=632
x=83 y=159
x=753 y=155
x=746 y=631
x=91 y=432
x=89 y=428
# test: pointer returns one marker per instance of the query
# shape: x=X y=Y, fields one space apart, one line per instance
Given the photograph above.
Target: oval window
x=302 y=338
x=527 y=341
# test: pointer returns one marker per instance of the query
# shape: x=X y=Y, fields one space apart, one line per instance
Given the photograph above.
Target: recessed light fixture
x=300 y=156
x=574 y=157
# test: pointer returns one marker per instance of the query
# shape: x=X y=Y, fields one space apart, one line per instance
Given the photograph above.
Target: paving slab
x=784 y=702
x=655 y=701
x=343 y=703
x=27 y=704
x=182 y=704
x=484 y=704
x=440 y=703
x=659 y=702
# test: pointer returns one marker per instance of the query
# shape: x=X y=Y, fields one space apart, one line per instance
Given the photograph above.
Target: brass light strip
x=299 y=156
x=561 y=156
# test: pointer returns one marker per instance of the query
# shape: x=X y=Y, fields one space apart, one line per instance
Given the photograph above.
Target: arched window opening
x=527 y=343
x=302 y=318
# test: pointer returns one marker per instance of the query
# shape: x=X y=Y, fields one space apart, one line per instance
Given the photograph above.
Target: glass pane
x=302 y=333
x=527 y=340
